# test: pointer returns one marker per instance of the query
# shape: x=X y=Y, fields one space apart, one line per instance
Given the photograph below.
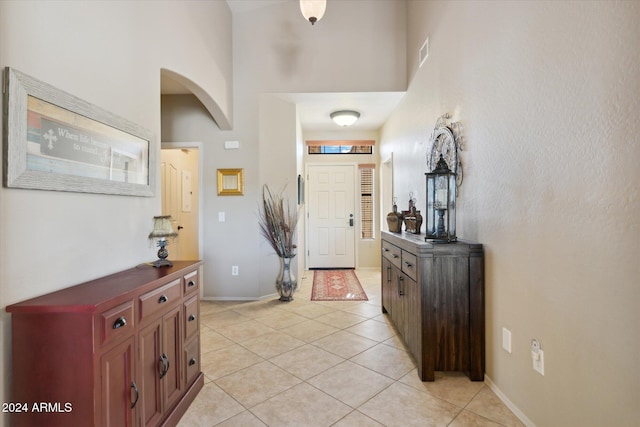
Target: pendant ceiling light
x=345 y=117
x=313 y=10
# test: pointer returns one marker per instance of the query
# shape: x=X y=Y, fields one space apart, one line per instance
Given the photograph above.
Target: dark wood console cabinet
x=122 y=350
x=434 y=294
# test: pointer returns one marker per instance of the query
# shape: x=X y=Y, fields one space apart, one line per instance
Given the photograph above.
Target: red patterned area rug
x=337 y=285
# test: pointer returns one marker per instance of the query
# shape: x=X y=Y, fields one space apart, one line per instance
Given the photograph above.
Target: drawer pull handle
x=385 y=249
x=191 y=284
x=163 y=299
x=408 y=264
x=192 y=361
x=119 y=323
x=394 y=255
x=192 y=317
x=135 y=388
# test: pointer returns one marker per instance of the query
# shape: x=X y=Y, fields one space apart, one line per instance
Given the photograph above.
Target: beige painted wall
x=276 y=52
x=548 y=96
x=109 y=54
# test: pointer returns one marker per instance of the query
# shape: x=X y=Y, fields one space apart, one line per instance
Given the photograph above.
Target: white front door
x=331 y=216
x=179 y=169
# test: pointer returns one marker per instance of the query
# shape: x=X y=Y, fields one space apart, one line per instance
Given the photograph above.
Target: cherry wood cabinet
x=434 y=295
x=122 y=350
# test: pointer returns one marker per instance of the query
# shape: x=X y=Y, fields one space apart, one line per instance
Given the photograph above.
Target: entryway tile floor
x=307 y=363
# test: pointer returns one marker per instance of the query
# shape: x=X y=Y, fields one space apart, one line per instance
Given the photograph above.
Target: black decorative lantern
x=441 y=204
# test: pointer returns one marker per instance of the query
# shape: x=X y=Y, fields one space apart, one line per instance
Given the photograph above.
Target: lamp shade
x=345 y=117
x=313 y=10
x=162 y=227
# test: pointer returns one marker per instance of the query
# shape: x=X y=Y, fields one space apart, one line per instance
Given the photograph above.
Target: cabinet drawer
x=117 y=322
x=159 y=298
x=191 y=318
x=409 y=266
x=192 y=360
x=392 y=253
x=191 y=282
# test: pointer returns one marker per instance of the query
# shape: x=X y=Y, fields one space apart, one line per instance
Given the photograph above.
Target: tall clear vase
x=286 y=282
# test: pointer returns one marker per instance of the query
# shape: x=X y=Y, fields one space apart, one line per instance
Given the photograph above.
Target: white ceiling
x=314 y=108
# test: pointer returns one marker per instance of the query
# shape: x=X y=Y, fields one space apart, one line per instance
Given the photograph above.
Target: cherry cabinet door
x=151 y=367
x=120 y=393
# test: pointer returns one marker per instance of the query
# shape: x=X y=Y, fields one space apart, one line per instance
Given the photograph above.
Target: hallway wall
x=547 y=93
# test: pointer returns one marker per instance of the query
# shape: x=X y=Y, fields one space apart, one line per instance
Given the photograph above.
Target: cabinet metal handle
x=163 y=299
x=119 y=323
x=400 y=285
x=135 y=388
x=385 y=250
x=408 y=264
x=388 y=274
x=192 y=361
x=191 y=284
x=394 y=255
x=192 y=317
x=163 y=364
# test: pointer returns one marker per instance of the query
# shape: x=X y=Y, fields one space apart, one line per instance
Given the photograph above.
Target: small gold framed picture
x=230 y=182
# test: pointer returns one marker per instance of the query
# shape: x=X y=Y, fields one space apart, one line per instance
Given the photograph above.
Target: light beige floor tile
x=211 y=340
x=258 y=309
x=386 y=360
x=243 y=419
x=309 y=330
x=227 y=360
x=313 y=310
x=350 y=383
x=306 y=361
x=454 y=387
x=365 y=310
x=282 y=319
x=357 y=419
x=469 y=419
x=224 y=318
x=341 y=319
x=487 y=404
x=396 y=342
x=373 y=330
x=272 y=344
x=202 y=413
x=244 y=330
x=345 y=344
x=257 y=383
x=403 y=406
x=299 y=406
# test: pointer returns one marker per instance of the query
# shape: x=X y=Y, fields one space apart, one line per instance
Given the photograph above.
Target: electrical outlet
x=537 y=355
x=234 y=270
x=506 y=340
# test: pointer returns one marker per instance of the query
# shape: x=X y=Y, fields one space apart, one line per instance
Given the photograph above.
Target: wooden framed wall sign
x=55 y=141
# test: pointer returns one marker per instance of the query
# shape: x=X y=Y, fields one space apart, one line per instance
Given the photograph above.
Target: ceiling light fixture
x=345 y=117
x=313 y=10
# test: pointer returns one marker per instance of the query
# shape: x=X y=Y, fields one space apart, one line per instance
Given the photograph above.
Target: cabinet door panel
x=118 y=386
x=171 y=348
x=150 y=365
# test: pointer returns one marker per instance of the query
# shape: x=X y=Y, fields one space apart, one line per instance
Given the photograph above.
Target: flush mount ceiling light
x=313 y=10
x=345 y=117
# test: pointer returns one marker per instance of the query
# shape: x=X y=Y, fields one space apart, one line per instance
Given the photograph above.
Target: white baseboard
x=508 y=403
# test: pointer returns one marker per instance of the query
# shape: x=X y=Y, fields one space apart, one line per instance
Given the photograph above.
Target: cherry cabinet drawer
x=160 y=298
x=117 y=322
x=191 y=318
x=191 y=283
x=192 y=360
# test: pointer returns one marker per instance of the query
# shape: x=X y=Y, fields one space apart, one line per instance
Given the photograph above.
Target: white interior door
x=179 y=169
x=331 y=213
